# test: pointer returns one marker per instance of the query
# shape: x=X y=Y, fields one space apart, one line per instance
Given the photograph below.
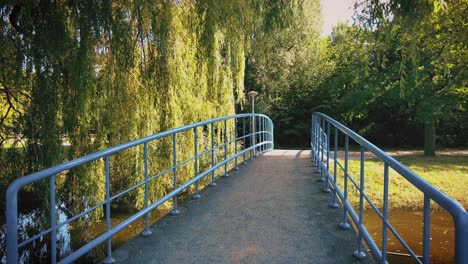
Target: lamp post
x=252 y=95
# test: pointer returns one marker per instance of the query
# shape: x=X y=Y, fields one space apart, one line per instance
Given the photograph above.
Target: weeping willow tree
x=93 y=74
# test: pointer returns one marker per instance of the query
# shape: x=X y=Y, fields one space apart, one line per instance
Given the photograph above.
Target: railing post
x=225 y=148
x=174 y=211
x=312 y=159
x=252 y=135
x=345 y=224
x=326 y=187
x=260 y=136
x=427 y=230
x=333 y=203
x=212 y=183
x=244 y=137
x=109 y=259
x=147 y=231
x=318 y=135
x=12 y=224
x=359 y=253
x=195 y=143
x=322 y=142
x=385 y=216
x=236 y=164
x=53 y=222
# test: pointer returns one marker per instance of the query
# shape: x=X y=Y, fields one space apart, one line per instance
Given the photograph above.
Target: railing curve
x=256 y=128
x=323 y=127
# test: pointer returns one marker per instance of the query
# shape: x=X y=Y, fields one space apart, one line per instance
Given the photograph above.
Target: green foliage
x=99 y=73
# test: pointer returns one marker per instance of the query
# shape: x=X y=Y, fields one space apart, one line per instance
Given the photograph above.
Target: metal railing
x=255 y=128
x=321 y=139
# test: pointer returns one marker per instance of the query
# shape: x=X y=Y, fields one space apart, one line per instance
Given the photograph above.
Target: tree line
x=397 y=75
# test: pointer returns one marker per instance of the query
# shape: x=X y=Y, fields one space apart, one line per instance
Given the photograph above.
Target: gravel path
x=272 y=210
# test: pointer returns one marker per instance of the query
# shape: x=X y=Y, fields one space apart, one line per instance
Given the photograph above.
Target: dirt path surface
x=272 y=210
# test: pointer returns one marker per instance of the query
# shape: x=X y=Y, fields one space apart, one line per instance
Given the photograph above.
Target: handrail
x=320 y=146
x=259 y=128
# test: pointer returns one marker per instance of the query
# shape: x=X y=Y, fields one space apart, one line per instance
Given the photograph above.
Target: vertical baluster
x=326 y=187
x=314 y=146
x=359 y=253
x=175 y=210
x=12 y=226
x=385 y=216
x=236 y=164
x=345 y=224
x=147 y=231
x=109 y=258
x=263 y=134
x=213 y=183
x=272 y=136
x=334 y=204
x=317 y=145
x=252 y=135
x=53 y=221
x=322 y=154
x=244 y=139
x=427 y=230
x=226 y=143
x=195 y=143
x=312 y=138
x=260 y=135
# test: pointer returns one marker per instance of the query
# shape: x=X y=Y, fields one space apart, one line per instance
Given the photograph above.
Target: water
x=409 y=224
x=70 y=237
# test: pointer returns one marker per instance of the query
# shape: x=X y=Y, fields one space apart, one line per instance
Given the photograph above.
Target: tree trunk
x=429 y=137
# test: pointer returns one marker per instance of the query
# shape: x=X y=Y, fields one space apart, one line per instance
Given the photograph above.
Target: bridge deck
x=272 y=210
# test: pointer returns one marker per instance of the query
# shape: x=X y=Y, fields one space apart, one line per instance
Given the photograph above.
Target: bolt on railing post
x=244 y=141
x=427 y=230
x=225 y=148
x=213 y=183
x=236 y=164
x=333 y=203
x=345 y=224
x=359 y=253
x=53 y=222
x=109 y=259
x=147 y=231
x=326 y=187
x=195 y=143
x=174 y=211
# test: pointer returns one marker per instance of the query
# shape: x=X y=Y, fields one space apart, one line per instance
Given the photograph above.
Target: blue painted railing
x=325 y=133
x=254 y=128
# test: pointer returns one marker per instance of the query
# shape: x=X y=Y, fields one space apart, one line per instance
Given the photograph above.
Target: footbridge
x=247 y=202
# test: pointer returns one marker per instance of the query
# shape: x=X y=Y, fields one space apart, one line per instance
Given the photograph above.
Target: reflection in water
x=70 y=237
x=409 y=224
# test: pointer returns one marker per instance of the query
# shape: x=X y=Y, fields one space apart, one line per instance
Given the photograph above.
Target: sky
x=334 y=11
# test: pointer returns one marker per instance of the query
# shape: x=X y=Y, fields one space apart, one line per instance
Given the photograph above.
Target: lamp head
x=252 y=94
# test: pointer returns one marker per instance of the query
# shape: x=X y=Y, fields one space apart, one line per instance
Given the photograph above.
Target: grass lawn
x=449 y=173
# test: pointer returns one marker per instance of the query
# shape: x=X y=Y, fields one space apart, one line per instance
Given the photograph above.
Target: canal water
x=409 y=224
